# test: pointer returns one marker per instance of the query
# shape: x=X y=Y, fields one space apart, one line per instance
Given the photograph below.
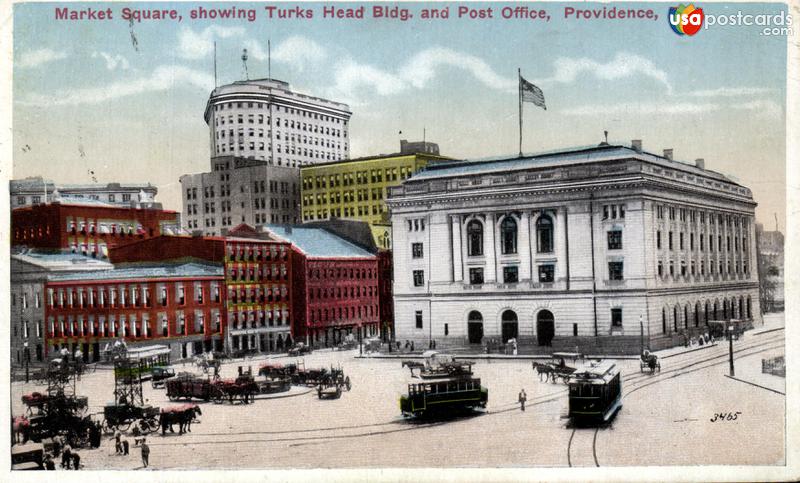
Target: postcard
x=400 y=241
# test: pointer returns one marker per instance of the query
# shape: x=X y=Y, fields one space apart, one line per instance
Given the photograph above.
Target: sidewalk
x=772 y=322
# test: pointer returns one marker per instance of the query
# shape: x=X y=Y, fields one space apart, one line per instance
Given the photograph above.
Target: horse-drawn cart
x=122 y=416
x=557 y=368
x=649 y=361
x=188 y=387
x=243 y=388
x=333 y=383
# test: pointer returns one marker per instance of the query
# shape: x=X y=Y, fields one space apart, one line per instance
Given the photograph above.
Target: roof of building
x=355 y=231
x=379 y=157
x=186 y=270
x=67 y=201
x=37 y=182
x=549 y=159
x=61 y=261
x=318 y=242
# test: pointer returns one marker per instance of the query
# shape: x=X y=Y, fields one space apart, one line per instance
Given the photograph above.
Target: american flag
x=531 y=93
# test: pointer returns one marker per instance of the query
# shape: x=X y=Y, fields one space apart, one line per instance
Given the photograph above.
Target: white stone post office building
x=606 y=247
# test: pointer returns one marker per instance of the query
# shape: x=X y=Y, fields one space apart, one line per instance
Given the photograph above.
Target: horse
x=21 y=429
x=544 y=369
x=181 y=415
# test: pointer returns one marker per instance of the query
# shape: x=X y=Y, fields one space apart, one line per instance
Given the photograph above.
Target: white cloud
x=255 y=50
x=623 y=65
x=112 y=61
x=197 y=45
x=423 y=67
x=298 y=52
x=730 y=92
x=350 y=77
x=648 y=108
x=162 y=78
x=35 y=58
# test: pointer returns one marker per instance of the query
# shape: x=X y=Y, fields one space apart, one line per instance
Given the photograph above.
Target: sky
x=113 y=100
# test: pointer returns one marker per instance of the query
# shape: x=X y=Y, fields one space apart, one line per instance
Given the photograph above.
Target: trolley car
x=450 y=388
x=595 y=392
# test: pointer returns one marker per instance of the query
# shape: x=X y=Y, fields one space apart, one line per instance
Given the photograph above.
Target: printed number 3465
x=725 y=416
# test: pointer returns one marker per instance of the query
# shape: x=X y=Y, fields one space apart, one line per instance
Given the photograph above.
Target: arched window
x=749 y=308
x=664 y=320
x=544 y=234
x=686 y=316
x=508 y=236
x=474 y=238
x=675 y=318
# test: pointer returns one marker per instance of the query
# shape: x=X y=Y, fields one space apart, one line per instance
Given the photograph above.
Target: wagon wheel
x=107 y=427
x=347 y=383
x=172 y=397
x=565 y=379
x=124 y=426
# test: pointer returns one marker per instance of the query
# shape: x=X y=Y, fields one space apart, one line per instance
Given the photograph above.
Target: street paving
x=665 y=419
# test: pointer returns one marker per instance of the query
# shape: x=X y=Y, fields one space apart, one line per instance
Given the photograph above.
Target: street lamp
x=730 y=348
x=641 y=337
x=27 y=362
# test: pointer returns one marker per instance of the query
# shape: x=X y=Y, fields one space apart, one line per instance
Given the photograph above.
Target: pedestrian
x=49 y=464
x=522 y=398
x=76 y=461
x=125 y=447
x=118 y=439
x=145 y=453
x=66 y=457
x=412 y=346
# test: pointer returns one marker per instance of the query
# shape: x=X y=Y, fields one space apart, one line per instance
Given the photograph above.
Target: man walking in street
x=145 y=453
x=522 y=398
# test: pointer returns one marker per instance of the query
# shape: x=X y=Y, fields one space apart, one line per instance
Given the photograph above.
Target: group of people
x=123 y=446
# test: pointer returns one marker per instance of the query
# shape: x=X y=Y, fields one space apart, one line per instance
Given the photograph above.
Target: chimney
x=636 y=144
x=668 y=153
x=700 y=163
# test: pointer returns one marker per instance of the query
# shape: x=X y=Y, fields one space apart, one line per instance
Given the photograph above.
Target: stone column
x=524 y=247
x=455 y=235
x=561 y=245
x=490 y=251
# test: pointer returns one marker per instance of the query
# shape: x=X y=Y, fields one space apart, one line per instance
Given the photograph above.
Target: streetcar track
x=750 y=350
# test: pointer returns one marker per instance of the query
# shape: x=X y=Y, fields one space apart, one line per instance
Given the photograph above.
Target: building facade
x=180 y=306
x=335 y=286
x=89 y=227
x=606 y=245
x=239 y=190
x=36 y=190
x=264 y=119
x=29 y=271
x=257 y=285
x=770 y=266
x=356 y=189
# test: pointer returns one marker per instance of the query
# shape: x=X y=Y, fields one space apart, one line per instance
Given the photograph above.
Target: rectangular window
x=547 y=273
x=658 y=240
x=418 y=319
x=670 y=240
x=416 y=250
x=680 y=240
x=475 y=276
x=616 y=317
x=419 y=278
x=446 y=329
x=615 y=271
x=615 y=240
x=510 y=274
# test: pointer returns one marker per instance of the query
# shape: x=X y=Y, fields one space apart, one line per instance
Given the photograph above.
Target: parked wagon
x=243 y=388
x=557 y=368
x=309 y=377
x=120 y=417
x=160 y=375
x=189 y=387
x=333 y=383
x=299 y=349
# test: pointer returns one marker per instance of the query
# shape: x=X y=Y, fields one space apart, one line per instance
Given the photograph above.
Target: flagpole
x=519 y=93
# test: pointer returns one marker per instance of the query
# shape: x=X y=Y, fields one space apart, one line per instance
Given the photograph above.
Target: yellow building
x=355 y=189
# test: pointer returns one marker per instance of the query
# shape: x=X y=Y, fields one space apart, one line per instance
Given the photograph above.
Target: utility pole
x=27 y=363
x=641 y=337
x=730 y=348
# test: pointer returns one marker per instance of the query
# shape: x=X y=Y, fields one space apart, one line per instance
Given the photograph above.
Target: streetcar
x=451 y=391
x=595 y=392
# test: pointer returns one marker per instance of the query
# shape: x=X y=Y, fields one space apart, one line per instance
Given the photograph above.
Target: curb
x=281 y=395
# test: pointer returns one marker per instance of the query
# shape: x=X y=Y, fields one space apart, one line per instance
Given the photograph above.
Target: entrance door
x=95 y=352
x=475 y=327
x=545 y=328
x=85 y=351
x=510 y=327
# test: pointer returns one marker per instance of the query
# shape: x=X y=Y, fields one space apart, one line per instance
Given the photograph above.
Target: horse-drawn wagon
x=188 y=387
x=243 y=388
x=122 y=416
x=649 y=361
x=557 y=368
x=333 y=383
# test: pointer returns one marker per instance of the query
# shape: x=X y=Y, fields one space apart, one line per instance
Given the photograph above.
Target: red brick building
x=257 y=283
x=181 y=306
x=335 y=285
x=385 y=302
x=90 y=228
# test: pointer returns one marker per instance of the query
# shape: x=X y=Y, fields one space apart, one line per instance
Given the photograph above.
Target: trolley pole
x=641 y=337
x=730 y=349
